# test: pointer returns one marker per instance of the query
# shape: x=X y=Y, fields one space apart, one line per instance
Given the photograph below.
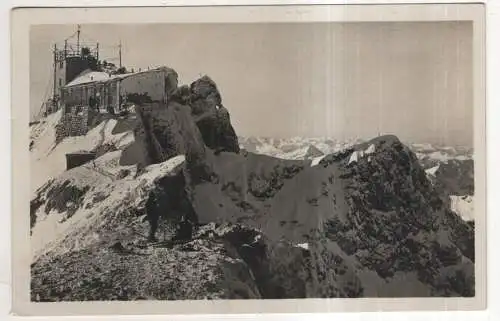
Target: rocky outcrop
x=169 y=200
x=396 y=222
x=200 y=269
x=454 y=177
x=212 y=117
x=204 y=95
x=192 y=121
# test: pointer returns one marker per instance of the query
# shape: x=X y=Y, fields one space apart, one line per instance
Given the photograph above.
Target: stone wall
x=74 y=122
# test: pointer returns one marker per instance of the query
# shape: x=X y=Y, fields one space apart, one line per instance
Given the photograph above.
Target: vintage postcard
x=248 y=159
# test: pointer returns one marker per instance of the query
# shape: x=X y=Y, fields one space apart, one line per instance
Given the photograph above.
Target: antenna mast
x=55 y=66
x=78 y=40
x=120 y=52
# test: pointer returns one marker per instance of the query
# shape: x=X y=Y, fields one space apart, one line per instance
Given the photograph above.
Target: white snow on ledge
x=316 y=160
x=305 y=246
x=370 y=150
x=463 y=206
x=358 y=154
x=355 y=156
x=432 y=171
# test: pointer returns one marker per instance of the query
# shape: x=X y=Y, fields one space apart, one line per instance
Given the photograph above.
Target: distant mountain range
x=307 y=148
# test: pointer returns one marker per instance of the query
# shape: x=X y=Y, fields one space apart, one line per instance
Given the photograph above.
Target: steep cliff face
x=193 y=121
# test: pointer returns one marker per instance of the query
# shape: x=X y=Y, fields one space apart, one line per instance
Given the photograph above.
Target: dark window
x=60 y=82
x=61 y=64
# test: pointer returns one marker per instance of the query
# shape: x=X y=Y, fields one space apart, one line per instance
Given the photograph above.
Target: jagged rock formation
x=454 y=181
x=212 y=117
x=193 y=120
x=362 y=222
x=455 y=177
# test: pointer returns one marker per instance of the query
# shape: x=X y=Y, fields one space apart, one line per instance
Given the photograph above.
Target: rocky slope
x=361 y=222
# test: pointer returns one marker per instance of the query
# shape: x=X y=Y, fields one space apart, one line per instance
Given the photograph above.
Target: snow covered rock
x=463 y=206
x=90 y=205
x=203 y=270
x=47 y=159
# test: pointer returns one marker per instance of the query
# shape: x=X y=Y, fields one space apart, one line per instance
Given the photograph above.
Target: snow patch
x=358 y=154
x=463 y=206
x=257 y=238
x=370 y=150
x=117 y=196
x=432 y=171
x=355 y=156
x=316 y=160
x=48 y=160
x=305 y=246
x=152 y=172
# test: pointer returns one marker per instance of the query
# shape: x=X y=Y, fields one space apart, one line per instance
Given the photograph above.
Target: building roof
x=88 y=76
x=123 y=76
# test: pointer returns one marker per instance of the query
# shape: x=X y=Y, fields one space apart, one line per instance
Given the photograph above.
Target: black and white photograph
x=252 y=160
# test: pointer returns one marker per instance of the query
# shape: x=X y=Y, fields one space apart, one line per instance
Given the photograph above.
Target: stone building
x=95 y=92
x=110 y=93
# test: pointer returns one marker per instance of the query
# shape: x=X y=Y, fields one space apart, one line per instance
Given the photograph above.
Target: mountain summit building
x=80 y=79
x=105 y=92
x=84 y=86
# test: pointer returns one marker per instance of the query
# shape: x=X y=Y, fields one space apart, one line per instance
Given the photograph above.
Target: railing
x=64 y=53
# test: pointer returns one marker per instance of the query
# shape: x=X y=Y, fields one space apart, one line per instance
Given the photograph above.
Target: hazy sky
x=304 y=79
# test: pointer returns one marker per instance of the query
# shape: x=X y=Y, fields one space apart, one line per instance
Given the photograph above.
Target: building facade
x=111 y=93
x=68 y=65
